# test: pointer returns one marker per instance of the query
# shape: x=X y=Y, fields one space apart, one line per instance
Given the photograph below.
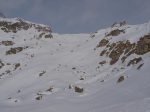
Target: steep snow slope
x=99 y=72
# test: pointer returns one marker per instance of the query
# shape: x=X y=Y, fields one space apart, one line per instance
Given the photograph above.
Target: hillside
x=106 y=71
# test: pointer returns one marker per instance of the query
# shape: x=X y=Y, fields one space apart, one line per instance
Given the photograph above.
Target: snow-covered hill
x=106 y=71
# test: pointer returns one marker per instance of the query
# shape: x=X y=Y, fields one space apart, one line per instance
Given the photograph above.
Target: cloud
x=74 y=16
x=8 y=5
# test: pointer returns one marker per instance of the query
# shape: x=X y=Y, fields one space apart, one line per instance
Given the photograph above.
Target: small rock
x=78 y=89
x=121 y=78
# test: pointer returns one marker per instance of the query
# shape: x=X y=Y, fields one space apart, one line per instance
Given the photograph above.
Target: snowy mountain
x=106 y=71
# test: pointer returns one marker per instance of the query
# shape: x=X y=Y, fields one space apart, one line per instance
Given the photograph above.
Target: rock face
x=143 y=45
x=102 y=43
x=14 y=50
x=134 y=61
x=7 y=43
x=20 y=24
x=121 y=50
x=115 y=32
x=14 y=27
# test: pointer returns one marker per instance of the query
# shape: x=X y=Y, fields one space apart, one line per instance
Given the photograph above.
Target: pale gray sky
x=78 y=16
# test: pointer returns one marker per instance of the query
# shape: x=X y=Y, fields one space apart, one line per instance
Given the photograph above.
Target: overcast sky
x=78 y=16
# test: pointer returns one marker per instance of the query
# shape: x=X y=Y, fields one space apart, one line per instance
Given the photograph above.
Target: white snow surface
x=63 y=60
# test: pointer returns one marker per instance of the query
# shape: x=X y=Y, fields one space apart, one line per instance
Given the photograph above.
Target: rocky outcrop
x=134 y=61
x=122 y=23
x=14 y=50
x=143 y=45
x=123 y=49
x=120 y=79
x=102 y=43
x=14 y=27
x=7 y=43
x=117 y=52
x=48 y=36
x=78 y=89
x=19 y=24
x=102 y=63
x=115 y=32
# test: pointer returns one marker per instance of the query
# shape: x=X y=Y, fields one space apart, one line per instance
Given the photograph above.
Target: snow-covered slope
x=107 y=71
